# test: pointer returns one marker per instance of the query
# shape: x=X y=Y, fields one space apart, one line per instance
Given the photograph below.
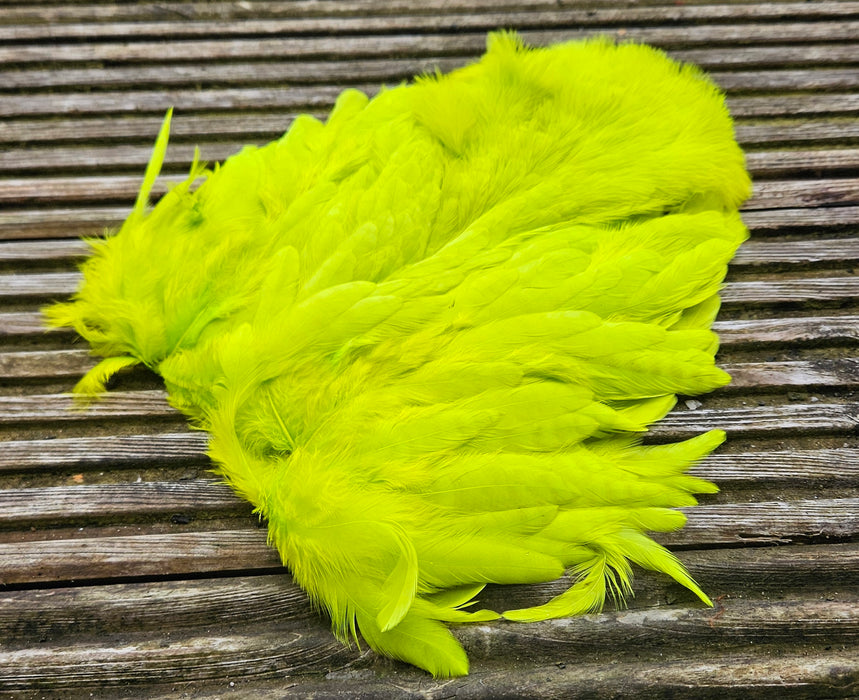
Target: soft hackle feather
x=425 y=335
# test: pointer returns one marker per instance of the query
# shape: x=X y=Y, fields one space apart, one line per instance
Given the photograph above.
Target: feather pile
x=427 y=335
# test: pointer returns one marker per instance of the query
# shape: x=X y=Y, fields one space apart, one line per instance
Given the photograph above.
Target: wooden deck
x=125 y=572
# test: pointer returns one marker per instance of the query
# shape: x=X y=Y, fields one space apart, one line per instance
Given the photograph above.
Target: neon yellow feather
x=424 y=334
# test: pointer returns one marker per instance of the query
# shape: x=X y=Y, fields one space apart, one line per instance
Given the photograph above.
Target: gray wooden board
x=126 y=569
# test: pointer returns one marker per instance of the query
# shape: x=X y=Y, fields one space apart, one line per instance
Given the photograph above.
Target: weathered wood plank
x=66 y=407
x=767 y=522
x=790 y=55
x=271 y=653
x=25 y=323
x=750 y=676
x=794 y=466
x=778 y=194
x=833 y=373
x=145 y=606
x=798 y=219
x=756 y=253
x=25 y=507
x=815 y=289
x=793 y=132
x=787 y=80
x=44 y=284
x=43 y=250
x=104 y=451
x=80 y=189
x=794 y=163
x=393 y=70
x=721 y=675
x=420 y=44
x=787 y=419
x=247 y=127
x=441 y=21
x=598 y=11
x=97 y=557
x=795 y=105
x=53 y=363
x=794 y=331
x=159 y=101
x=60 y=222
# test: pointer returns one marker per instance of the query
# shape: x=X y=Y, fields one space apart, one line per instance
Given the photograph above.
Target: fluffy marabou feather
x=425 y=334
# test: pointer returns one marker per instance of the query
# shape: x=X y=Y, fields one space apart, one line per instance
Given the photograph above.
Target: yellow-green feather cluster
x=425 y=334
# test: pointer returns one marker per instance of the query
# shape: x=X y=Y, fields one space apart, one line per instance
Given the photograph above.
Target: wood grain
x=833 y=373
x=801 y=219
x=786 y=466
x=757 y=253
x=598 y=10
x=100 y=556
x=92 y=502
x=419 y=44
x=395 y=70
x=63 y=408
x=814 y=289
x=814 y=330
x=811 y=193
x=104 y=451
x=780 y=419
x=25 y=323
x=370 y=24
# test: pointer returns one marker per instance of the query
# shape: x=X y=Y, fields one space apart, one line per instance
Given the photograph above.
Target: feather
x=426 y=335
